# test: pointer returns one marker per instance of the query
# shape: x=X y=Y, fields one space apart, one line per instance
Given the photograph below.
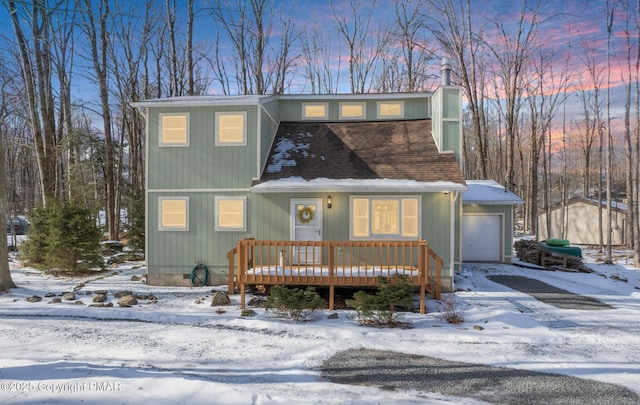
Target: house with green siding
x=338 y=167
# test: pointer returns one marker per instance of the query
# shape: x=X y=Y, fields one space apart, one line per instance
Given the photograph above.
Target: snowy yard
x=178 y=351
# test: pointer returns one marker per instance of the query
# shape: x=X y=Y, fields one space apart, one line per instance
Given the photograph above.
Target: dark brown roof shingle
x=396 y=150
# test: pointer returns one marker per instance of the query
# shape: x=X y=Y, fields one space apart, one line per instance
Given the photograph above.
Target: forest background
x=552 y=89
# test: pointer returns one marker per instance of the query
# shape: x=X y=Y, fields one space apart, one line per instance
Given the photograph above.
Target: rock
x=33 y=298
x=197 y=301
x=220 y=299
x=49 y=295
x=100 y=292
x=248 y=312
x=333 y=316
x=135 y=278
x=69 y=296
x=127 y=301
x=56 y=300
x=478 y=327
x=78 y=302
x=121 y=294
x=97 y=305
x=100 y=298
x=618 y=278
x=108 y=304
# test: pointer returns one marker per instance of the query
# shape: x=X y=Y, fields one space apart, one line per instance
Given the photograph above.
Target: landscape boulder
x=127 y=300
x=220 y=299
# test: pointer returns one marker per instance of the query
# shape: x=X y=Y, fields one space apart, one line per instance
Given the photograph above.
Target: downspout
x=455 y=235
x=145 y=115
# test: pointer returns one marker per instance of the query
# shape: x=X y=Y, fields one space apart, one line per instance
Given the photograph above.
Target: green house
x=356 y=167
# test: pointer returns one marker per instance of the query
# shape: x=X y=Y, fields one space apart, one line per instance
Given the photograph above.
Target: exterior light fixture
x=329 y=201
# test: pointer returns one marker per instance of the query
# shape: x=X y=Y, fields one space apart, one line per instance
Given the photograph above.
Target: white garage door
x=481 y=238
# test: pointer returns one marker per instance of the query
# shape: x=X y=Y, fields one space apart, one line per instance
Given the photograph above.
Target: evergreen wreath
x=305 y=215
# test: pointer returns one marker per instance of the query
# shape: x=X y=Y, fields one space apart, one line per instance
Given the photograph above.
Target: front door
x=306 y=225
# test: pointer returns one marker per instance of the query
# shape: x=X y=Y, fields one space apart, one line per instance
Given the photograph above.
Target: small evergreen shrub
x=135 y=227
x=293 y=302
x=381 y=308
x=65 y=236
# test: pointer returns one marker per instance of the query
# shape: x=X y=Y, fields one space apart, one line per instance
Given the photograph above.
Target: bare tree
x=6 y=282
x=95 y=25
x=452 y=24
x=317 y=54
x=365 y=47
x=36 y=72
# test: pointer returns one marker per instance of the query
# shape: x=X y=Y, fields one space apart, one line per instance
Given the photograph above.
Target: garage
x=481 y=238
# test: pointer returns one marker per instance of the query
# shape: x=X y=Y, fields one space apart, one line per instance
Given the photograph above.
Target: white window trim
x=389 y=197
x=161 y=143
x=217 y=226
x=244 y=128
x=326 y=111
x=173 y=228
x=360 y=117
x=380 y=115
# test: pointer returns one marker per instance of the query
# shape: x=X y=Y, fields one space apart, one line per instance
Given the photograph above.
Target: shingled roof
x=393 y=150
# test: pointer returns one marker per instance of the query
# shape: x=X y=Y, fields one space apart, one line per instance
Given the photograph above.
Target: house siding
x=202 y=165
x=414 y=108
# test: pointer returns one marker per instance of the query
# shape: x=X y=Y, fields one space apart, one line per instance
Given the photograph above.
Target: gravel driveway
x=390 y=370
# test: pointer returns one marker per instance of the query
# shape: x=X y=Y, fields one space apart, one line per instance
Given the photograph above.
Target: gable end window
x=173 y=213
x=231 y=128
x=391 y=109
x=384 y=217
x=174 y=129
x=315 y=111
x=231 y=213
x=353 y=111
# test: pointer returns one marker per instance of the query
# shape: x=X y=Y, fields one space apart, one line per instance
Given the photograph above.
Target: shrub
x=293 y=302
x=381 y=308
x=63 y=235
x=135 y=227
x=451 y=313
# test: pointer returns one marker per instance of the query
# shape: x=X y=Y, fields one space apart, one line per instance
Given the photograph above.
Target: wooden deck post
x=331 y=297
x=232 y=284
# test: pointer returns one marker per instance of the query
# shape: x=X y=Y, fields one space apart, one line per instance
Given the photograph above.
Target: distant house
x=356 y=167
x=581 y=219
x=487 y=222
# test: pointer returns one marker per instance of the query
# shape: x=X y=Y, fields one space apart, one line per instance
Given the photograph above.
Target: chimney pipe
x=445 y=78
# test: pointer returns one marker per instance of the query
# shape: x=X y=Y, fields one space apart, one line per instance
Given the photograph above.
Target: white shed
x=581 y=219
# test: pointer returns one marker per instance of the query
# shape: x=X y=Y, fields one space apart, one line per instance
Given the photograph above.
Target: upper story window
x=230 y=213
x=174 y=129
x=385 y=217
x=174 y=213
x=391 y=109
x=315 y=111
x=353 y=111
x=231 y=128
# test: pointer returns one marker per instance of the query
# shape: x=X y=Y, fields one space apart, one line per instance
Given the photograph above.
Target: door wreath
x=305 y=215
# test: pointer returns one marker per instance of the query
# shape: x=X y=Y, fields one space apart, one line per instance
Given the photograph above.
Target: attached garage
x=487 y=222
x=482 y=236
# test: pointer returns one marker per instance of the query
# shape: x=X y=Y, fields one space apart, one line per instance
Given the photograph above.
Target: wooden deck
x=333 y=264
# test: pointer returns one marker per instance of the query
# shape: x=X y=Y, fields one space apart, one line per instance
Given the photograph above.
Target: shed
x=581 y=221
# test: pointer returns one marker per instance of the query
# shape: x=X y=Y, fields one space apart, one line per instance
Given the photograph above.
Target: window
x=390 y=109
x=353 y=111
x=315 y=111
x=230 y=213
x=174 y=213
x=385 y=217
x=174 y=129
x=231 y=129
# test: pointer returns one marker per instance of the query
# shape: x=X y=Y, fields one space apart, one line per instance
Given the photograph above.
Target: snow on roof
x=298 y=184
x=488 y=192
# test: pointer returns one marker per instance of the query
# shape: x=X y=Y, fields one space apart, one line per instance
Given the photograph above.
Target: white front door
x=306 y=225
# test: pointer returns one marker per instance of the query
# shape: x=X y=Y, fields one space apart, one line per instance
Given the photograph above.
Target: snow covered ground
x=178 y=351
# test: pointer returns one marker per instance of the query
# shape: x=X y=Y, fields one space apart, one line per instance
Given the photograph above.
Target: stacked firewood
x=527 y=251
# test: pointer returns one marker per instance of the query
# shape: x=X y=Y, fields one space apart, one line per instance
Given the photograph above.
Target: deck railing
x=333 y=263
